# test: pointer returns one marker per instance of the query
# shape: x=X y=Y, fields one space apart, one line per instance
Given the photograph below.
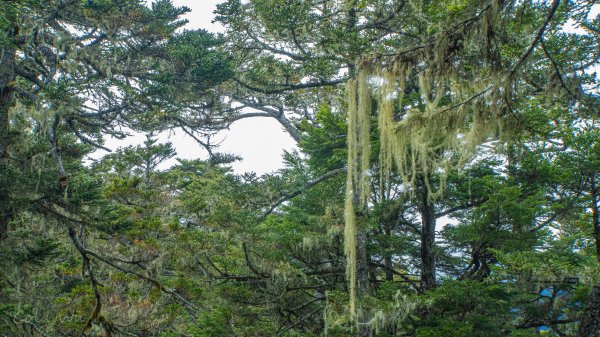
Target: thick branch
x=269 y=112
x=53 y=138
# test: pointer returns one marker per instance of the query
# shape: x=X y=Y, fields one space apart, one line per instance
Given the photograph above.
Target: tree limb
x=306 y=186
x=290 y=87
x=536 y=39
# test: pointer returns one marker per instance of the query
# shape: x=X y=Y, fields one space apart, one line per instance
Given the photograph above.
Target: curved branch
x=578 y=94
x=296 y=193
x=290 y=87
x=90 y=253
x=272 y=113
x=155 y=282
x=536 y=39
x=85 y=139
x=87 y=267
x=266 y=46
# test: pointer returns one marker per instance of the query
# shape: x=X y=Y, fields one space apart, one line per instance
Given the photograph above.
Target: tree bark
x=590 y=320
x=362 y=267
x=387 y=260
x=7 y=81
x=427 y=212
x=595 y=215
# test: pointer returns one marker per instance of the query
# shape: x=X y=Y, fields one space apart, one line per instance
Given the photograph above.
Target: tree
x=428 y=59
x=479 y=113
x=94 y=68
x=72 y=73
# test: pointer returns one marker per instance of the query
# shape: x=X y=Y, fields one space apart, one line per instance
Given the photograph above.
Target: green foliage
x=325 y=141
x=195 y=64
x=465 y=309
x=141 y=243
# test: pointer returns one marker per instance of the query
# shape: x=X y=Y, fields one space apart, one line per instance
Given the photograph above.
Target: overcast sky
x=259 y=141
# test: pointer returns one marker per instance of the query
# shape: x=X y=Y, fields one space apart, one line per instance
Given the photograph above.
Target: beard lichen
x=435 y=103
x=357 y=184
x=426 y=137
x=418 y=139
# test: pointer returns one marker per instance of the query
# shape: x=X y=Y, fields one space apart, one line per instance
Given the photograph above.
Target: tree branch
x=536 y=40
x=459 y=208
x=306 y=186
x=87 y=267
x=55 y=151
x=290 y=87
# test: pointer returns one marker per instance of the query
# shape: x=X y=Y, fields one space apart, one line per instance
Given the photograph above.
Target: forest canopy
x=446 y=181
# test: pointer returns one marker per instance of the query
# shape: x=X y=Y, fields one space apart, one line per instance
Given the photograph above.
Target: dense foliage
x=468 y=130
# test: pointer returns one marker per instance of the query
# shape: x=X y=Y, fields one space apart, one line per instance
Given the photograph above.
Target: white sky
x=259 y=141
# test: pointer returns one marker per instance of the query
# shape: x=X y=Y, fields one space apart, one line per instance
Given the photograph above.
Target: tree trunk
x=387 y=260
x=590 y=320
x=362 y=269
x=427 y=213
x=7 y=80
x=595 y=215
x=5 y=101
x=362 y=265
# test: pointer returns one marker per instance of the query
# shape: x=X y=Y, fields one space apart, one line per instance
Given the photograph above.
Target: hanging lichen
x=350 y=251
x=349 y=216
x=435 y=103
x=364 y=134
x=435 y=137
x=358 y=183
x=457 y=109
x=392 y=90
x=392 y=316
